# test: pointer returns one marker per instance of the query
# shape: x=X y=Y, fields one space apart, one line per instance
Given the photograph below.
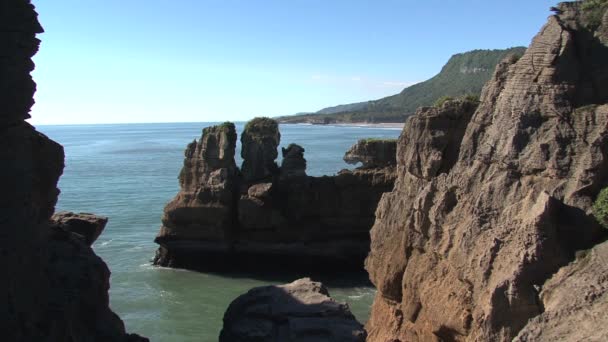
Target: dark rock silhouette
x=299 y=311
x=55 y=288
x=283 y=220
x=89 y=226
x=373 y=153
x=487 y=208
x=293 y=164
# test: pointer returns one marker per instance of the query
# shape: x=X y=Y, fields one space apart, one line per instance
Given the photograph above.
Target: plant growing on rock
x=600 y=208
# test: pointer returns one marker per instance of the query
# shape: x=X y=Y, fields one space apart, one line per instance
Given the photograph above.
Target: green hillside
x=464 y=74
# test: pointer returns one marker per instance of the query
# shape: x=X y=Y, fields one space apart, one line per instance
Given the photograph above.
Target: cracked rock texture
x=54 y=287
x=488 y=207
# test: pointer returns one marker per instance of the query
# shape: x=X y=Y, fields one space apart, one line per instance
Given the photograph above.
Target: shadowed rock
x=55 y=288
x=260 y=140
x=373 y=153
x=299 y=311
x=293 y=164
x=89 y=226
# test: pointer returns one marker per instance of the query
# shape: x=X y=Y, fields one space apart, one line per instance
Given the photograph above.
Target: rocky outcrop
x=575 y=300
x=299 y=311
x=293 y=164
x=88 y=226
x=372 y=153
x=486 y=208
x=282 y=220
x=55 y=288
x=260 y=140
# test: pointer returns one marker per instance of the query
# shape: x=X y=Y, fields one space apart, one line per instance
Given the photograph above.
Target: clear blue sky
x=110 y=61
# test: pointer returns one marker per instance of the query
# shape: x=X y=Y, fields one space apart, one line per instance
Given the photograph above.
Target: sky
x=131 y=61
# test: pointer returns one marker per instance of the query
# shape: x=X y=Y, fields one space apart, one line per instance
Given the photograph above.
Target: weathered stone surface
x=483 y=213
x=205 y=208
x=286 y=220
x=293 y=164
x=260 y=140
x=575 y=300
x=296 y=312
x=89 y=226
x=54 y=287
x=373 y=153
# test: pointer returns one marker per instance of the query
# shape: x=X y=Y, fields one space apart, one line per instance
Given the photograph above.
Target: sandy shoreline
x=395 y=125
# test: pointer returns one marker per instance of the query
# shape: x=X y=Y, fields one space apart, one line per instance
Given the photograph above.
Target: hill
x=464 y=74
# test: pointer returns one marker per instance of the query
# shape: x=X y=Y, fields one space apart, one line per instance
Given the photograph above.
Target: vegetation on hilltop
x=464 y=74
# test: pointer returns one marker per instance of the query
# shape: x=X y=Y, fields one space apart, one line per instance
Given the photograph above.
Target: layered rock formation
x=373 y=153
x=488 y=207
x=299 y=311
x=276 y=217
x=55 y=288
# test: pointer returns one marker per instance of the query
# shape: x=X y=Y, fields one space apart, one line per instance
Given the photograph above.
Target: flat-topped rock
x=260 y=140
x=89 y=226
x=373 y=153
x=296 y=312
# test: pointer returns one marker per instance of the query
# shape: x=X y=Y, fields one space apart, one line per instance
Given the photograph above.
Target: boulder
x=299 y=311
x=373 y=153
x=89 y=226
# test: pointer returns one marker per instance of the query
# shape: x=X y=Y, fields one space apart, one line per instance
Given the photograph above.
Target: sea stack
x=264 y=217
x=478 y=241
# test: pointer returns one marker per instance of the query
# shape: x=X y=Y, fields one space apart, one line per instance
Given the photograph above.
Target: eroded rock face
x=283 y=220
x=260 y=140
x=486 y=209
x=575 y=301
x=299 y=311
x=204 y=209
x=89 y=226
x=55 y=288
x=373 y=153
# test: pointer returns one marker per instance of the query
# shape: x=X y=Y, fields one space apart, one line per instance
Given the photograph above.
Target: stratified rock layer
x=54 y=287
x=487 y=208
x=282 y=220
x=373 y=153
x=296 y=312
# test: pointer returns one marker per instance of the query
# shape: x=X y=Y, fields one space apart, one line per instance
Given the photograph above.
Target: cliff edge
x=487 y=208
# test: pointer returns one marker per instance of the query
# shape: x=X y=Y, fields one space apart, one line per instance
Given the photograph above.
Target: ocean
x=128 y=172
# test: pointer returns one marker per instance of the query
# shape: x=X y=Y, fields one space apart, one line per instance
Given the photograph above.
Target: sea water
x=128 y=172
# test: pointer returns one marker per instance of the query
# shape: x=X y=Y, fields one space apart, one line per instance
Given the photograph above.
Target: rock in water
x=266 y=219
x=373 y=153
x=293 y=164
x=204 y=210
x=54 y=287
x=260 y=140
x=89 y=226
x=486 y=208
x=299 y=311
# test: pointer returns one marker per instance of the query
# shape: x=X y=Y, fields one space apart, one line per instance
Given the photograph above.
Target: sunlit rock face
x=55 y=288
x=265 y=218
x=488 y=207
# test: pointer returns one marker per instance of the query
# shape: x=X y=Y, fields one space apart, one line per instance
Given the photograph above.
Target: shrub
x=593 y=11
x=600 y=208
x=440 y=101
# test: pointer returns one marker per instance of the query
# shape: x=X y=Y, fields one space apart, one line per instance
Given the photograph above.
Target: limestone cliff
x=488 y=206
x=54 y=287
x=268 y=217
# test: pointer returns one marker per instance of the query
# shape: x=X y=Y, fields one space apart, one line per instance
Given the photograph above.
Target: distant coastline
x=396 y=125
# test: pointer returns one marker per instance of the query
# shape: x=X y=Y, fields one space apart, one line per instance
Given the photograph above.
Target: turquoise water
x=128 y=172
